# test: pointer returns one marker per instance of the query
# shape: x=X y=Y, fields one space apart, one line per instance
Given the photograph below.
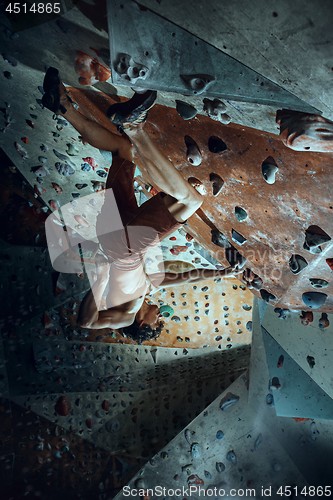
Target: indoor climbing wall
x=264 y=200
x=251 y=206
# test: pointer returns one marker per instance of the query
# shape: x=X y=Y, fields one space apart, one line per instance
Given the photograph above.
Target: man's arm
x=195 y=275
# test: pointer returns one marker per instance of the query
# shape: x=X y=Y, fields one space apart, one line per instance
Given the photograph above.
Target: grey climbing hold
x=269 y=169
x=231 y=457
x=315 y=236
x=267 y=296
x=270 y=400
x=216 y=110
x=311 y=361
x=130 y=70
x=228 y=401
x=216 y=145
x=101 y=173
x=249 y=326
x=188 y=435
x=217 y=183
x=197 y=185
x=237 y=237
x=72 y=150
x=220 y=467
x=257 y=442
x=185 y=110
x=176 y=319
x=314 y=300
x=282 y=313
x=80 y=186
x=198 y=83
x=219 y=434
x=195 y=450
x=207 y=474
x=219 y=239
x=240 y=214
x=297 y=263
x=193 y=154
x=318 y=283
x=64 y=169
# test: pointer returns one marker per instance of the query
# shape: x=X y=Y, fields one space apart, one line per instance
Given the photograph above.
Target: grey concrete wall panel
x=169 y=55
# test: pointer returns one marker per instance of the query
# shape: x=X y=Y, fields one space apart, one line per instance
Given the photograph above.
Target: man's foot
x=55 y=95
x=133 y=112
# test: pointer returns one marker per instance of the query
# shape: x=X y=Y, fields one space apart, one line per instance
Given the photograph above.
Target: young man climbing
x=118 y=297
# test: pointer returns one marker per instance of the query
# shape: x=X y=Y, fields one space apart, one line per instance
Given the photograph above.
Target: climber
x=120 y=274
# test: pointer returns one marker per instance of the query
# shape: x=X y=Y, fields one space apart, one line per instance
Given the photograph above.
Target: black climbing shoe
x=134 y=111
x=51 y=98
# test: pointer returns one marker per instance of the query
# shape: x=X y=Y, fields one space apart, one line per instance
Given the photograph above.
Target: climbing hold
x=166 y=311
x=231 y=457
x=267 y=296
x=269 y=169
x=297 y=263
x=80 y=186
x=72 y=150
x=207 y=474
x=237 y=237
x=315 y=236
x=101 y=173
x=64 y=169
x=185 y=110
x=193 y=154
x=314 y=300
x=198 y=185
x=195 y=450
x=62 y=406
x=246 y=307
x=324 y=321
x=249 y=326
x=219 y=435
x=97 y=186
x=130 y=70
x=219 y=239
x=318 y=283
x=220 y=467
x=269 y=399
x=21 y=151
x=306 y=317
x=198 y=83
x=57 y=188
x=40 y=171
x=176 y=319
x=311 y=361
x=85 y=167
x=8 y=75
x=194 y=479
x=54 y=204
x=81 y=220
x=282 y=313
x=216 y=110
x=240 y=214
x=275 y=383
x=280 y=361
x=188 y=435
x=228 y=401
x=257 y=442
x=217 y=183
x=62 y=157
x=216 y=145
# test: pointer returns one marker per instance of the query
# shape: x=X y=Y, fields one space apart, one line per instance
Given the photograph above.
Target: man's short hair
x=142 y=333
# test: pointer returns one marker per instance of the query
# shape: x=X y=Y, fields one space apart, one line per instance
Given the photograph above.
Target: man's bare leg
x=165 y=176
